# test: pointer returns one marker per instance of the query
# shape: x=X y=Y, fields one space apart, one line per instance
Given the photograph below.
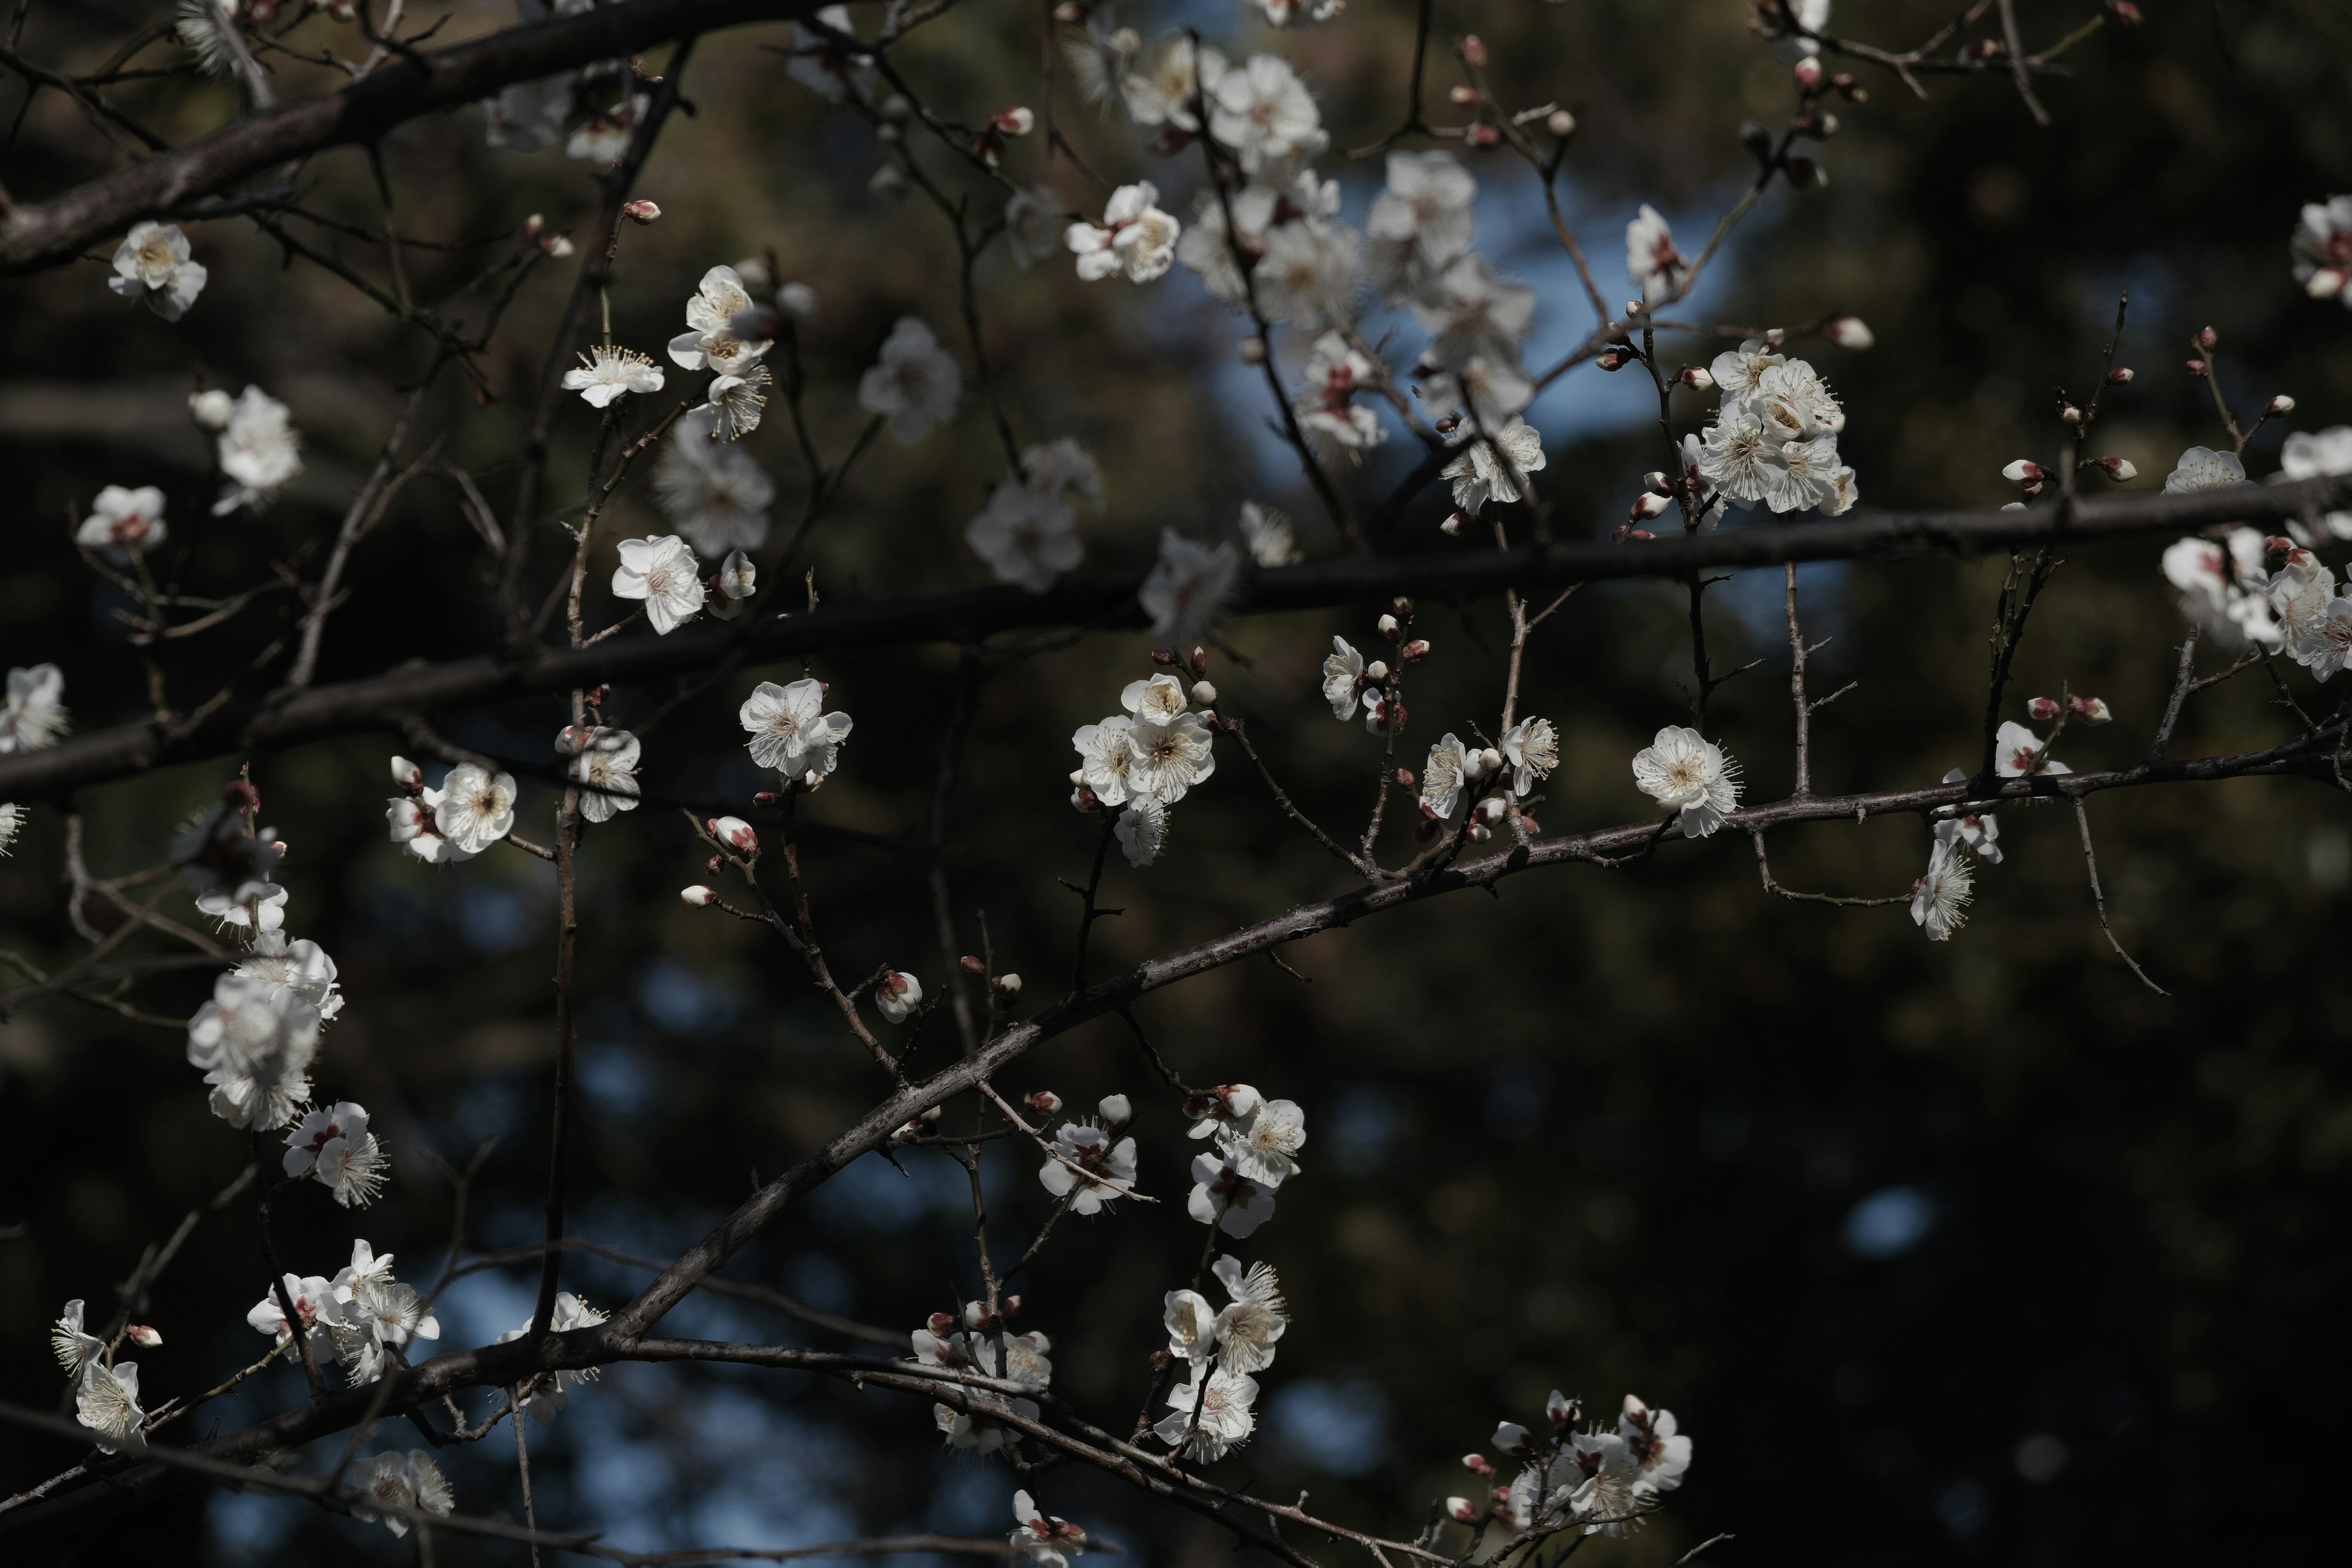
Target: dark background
x=1866 y=1213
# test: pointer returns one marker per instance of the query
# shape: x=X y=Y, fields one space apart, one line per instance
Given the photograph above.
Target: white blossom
x=73 y=1348
x=2323 y=641
x=1254 y=1320
x=410 y=1481
x=914 y=384
x=661 y=570
x=1159 y=698
x=1306 y=275
x=258 y=450
x=12 y=823
x=2222 y=586
x=1343 y=678
x=1212 y=1414
x=1192 y=1325
x=1167 y=82
x=1335 y=371
x=1099 y=57
x=1489 y=390
x=107 y=1400
x=34 y=715
x=1981 y=831
x=1142 y=829
x=301 y=969
x=254 y=1041
x=376 y=1315
x=258 y=907
x=411 y=819
x=1225 y=1198
x=2202 y=468
x=151 y=264
x=608 y=372
x=604 y=137
x=1027 y=536
x=1062 y=468
x=605 y=760
x=123 y=522
x=790 y=732
x=1441 y=777
x=1106 y=753
x=1135 y=239
x=1168 y=759
x=545 y=1395
x=315 y=1308
x=528 y=116
x=2017 y=751
x=1493 y=465
x=1685 y=773
x=333 y=1147
x=1222 y=1107
x=1261 y=1146
x=1654 y=264
x=1532 y=748
x=710 y=339
x=834 y=72
x=1266 y=534
x=1737 y=372
x=1265 y=113
x=1190 y=587
x=1612 y=1495
x=2307 y=455
x=2322 y=248
x=1033 y=223
x=1106 y=1168
x=1469 y=311
x=898 y=995
x=1284 y=13
x=1939 y=901
x=476 y=807
x=1660 y=1452
x=1420 y=223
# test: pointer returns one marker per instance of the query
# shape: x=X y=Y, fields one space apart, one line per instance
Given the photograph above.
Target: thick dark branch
x=967 y=617
x=39 y=235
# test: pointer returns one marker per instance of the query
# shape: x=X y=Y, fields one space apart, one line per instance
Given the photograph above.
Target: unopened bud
x=1697 y=380
x=972 y=965
x=734 y=832
x=1657 y=483
x=1115 y=1110
x=697 y=896
x=1402 y=607
x=143 y=1336
x=1478 y=1464
x=1389 y=626
x=2023 y=473
x=1013 y=121
x=1614 y=359
x=1474 y=50
x=406 y=774
x=715 y=865
x=942 y=1323
x=1414 y=651
x=1564 y=1411
x=1204 y=694
x=2068 y=414
x=2196 y=367
x=1809 y=75
x=1462 y=1511
x=1511 y=1437
x=2117 y=468
x=1756 y=139
x=2120 y=377
x=557 y=246
x=1453 y=524
x=1804 y=174
x=1849 y=333
x=1404 y=778
x=532 y=224
x=1377 y=671
x=1483 y=135
x=2207 y=339
x=1625 y=530
x=212 y=409
x=2327 y=282
x=640 y=211
x=2090 y=709
x=1008 y=1307
x=1849 y=87
x=1006 y=987
x=1084 y=799
x=767 y=800
x=2124 y=11
x=1199 y=662
x=1492 y=808
x=2279 y=405
x=1647 y=506
x=1044 y=1102
x=1463 y=95
x=2041 y=710
x=1560 y=123
x=1474 y=764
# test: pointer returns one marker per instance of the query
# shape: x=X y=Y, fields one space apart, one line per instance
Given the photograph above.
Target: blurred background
x=1970 y=1252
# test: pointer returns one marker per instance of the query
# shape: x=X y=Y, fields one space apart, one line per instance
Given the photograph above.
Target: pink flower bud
x=1478 y=1464
x=1512 y=1439
x=1474 y=50
x=2117 y=468
x=1809 y=75
x=1461 y=1510
x=2042 y=710
x=532 y=224
x=941 y=1324
x=2124 y=11
x=2090 y=709
x=1697 y=380
x=2196 y=367
x=407 y=776
x=2327 y=282
x=640 y=211
x=143 y=1337
x=2068 y=414
x=1404 y=778
x=1625 y=530
x=1453 y=524
x=1850 y=87
x=2207 y=339
x=1389 y=625
x=1084 y=799
x=2279 y=405
x=1464 y=95
x=735 y=833
x=2120 y=377
x=1657 y=484
x=1043 y=1102
x=1614 y=359
x=2024 y=472
x=697 y=896
x=1006 y=987
x=1483 y=135
x=1849 y=333
x=972 y=965
x=1414 y=651
x=1013 y=121
x=1647 y=506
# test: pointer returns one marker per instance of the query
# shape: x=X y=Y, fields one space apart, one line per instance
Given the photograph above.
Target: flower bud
x=2024 y=473
x=898 y=995
x=1462 y=1511
x=1804 y=174
x=2124 y=11
x=1163 y=656
x=1043 y=1102
x=1474 y=764
x=406 y=774
x=1404 y=778
x=1850 y=87
x=1463 y=94
x=557 y=246
x=1625 y=530
x=1483 y=135
x=1474 y=50
x=1809 y=75
x=1647 y=506
x=1013 y=121
x=714 y=865
x=143 y=1336
x=2069 y=414
x=941 y=1323
x=2279 y=405
x=1452 y=525
x=212 y=409
x=697 y=896
x=1564 y=1411
x=1401 y=605
x=1614 y=360
x=1005 y=987
x=1657 y=483
x=1492 y=808
x=734 y=832
x=1084 y=799
x=1389 y=626
x=2119 y=376
x=1512 y=1439
x=2117 y=468
x=532 y=224
x=1010 y=1307
x=1414 y=651
x=640 y=211
x=2090 y=709
x=1115 y=1111
x=2207 y=339
x=1478 y=1464
x=1697 y=380
x=2041 y=710
x=1849 y=333
x=1200 y=662
x=2196 y=367
x=1253 y=350
x=1756 y=139
x=1560 y=123
x=1377 y=671
x=2327 y=282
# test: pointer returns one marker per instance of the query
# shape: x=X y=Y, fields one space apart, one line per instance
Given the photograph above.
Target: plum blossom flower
x=1160 y=698
x=1491 y=390
x=1532 y=748
x=1166 y=758
x=1654 y=264
x=1335 y=371
x=1266 y=534
x=608 y=372
x=710 y=339
x=661 y=570
x=1441 y=777
x=12 y=823
x=1062 y=468
x=333 y=1147
x=1165 y=84
x=107 y=1400
x=545 y=1395
x=1254 y=1320
x=713 y=493
x=1493 y=467
x=1043 y=1541
x=315 y=1308
x=151 y=264
x=1265 y=113
x=1189 y=588
x=1192 y=1324
x=1135 y=239
x=1212 y=1414
x=2323 y=641
x=253 y=905
x=1027 y=537
x=1612 y=1494
x=301 y=969
x=1307 y=274
x=1225 y=1198
x=2307 y=455
x=1981 y=831
x=1106 y=753
x=1227 y=1105
x=527 y=116
x=1343 y=678
x=1660 y=1452
x=898 y=995
x=2221 y=586
x=2202 y=468
x=1033 y=224
x=411 y=819
x=2017 y=751
x=123 y=522
x=1684 y=771
x=1939 y=901
x=254 y=1041
x=1261 y=1147
x=34 y=715
x=735 y=404
x=914 y=384
x=791 y=734
x=1107 y=1169
x=1471 y=311
x=409 y=1482
x=1420 y=223
x=604 y=137
x=476 y=807
x=1737 y=372
x=258 y=450
x=2322 y=248
x=604 y=760
x=1142 y=829
x=376 y=1315
x=75 y=1349
x=826 y=64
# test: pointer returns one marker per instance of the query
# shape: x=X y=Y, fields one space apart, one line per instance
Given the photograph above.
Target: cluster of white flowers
x=106 y=1390
x=592 y=101
x=1254 y=1139
x=473 y=809
x=1529 y=750
x=2322 y=249
x=1212 y=1410
x=2224 y=584
x=546 y=1394
x=412 y=1481
x=982 y=1343
x=1091 y=1164
x=257 y=447
x=791 y=734
x=1597 y=1481
x=1774 y=439
x=1686 y=772
x=1028 y=532
x=364 y=1315
x=1145 y=760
